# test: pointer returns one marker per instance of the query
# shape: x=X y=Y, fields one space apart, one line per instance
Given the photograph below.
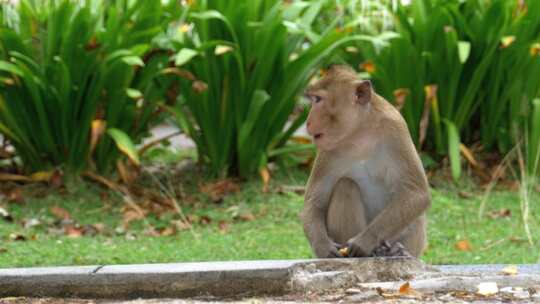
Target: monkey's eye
x=315 y=98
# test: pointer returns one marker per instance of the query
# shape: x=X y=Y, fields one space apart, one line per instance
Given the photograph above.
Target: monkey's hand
x=329 y=250
x=358 y=247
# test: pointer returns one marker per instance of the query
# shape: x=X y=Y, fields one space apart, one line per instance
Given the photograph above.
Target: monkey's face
x=337 y=111
x=333 y=117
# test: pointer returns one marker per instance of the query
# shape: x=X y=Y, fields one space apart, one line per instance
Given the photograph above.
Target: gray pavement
x=360 y=280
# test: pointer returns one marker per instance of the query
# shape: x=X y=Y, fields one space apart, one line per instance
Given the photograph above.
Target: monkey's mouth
x=318 y=136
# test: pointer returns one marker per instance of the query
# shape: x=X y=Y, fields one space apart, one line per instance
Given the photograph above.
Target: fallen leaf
x=344 y=251
x=131 y=215
x=296 y=189
x=33 y=222
x=487 y=288
x=5 y=215
x=56 y=180
x=8 y=177
x=265 y=176
x=465 y=194
x=247 y=217
x=205 y=220
x=17 y=237
x=3 y=250
x=405 y=288
x=128 y=174
x=463 y=245
x=501 y=213
x=42 y=176
x=15 y=196
x=73 y=231
x=60 y=213
x=510 y=270
x=182 y=225
x=223 y=227
x=218 y=190
x=168 y=231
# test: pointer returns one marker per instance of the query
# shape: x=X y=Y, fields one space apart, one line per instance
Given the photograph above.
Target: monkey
x=367 y=187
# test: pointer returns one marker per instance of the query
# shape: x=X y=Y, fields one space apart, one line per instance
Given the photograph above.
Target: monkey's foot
x=390 y=250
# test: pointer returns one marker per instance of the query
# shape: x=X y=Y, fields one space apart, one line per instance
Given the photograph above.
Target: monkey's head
x=340 y=102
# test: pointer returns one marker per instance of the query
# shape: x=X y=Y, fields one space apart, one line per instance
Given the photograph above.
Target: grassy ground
x=246 y=225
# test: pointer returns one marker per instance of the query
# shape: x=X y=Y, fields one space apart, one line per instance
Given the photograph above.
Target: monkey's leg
x=414 y=237
x=346 y=213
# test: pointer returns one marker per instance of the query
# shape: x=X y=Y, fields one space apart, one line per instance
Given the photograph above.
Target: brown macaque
x=367 y=189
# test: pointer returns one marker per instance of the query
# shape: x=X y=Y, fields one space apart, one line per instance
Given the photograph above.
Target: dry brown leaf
x=465 y=194
x=97 y=130
x=369 y=67
x=405 y=288
x=17 y=237
x=218 y=190
x=400 y=96
x=42 y=176
x=181 y=225
x=72 y=231
x=128 y=174
x=60 y=213
x=510 y=270
x=199 y=86
x=57 y=179
x=247 y=217
x=168 y=231
x=131 y=215
x=344 y=251
x=468 y=154
x=431 y=100
x=463 y=245
x=223 y=227
x=8 y=177
x=205 y=220
x=265 y=176
x=501 y=213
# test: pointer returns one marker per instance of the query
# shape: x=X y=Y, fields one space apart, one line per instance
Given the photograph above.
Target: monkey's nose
x=308 y=127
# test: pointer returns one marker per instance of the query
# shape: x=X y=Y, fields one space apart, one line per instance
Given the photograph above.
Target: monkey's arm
x=318 y=192
x=410 y=199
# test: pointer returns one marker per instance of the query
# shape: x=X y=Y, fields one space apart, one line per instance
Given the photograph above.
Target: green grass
x=276 y=232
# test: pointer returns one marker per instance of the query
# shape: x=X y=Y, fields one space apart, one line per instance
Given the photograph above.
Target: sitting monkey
x=367 y=189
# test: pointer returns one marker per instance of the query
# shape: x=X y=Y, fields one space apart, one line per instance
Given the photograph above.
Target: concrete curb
x=250 y=278
x=213 y=279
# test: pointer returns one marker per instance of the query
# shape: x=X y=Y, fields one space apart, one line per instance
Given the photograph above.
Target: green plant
x=67 y=65
x=255 y=57
x=477 y=56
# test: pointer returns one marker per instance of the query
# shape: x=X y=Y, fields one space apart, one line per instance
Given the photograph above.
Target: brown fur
x=367 y=184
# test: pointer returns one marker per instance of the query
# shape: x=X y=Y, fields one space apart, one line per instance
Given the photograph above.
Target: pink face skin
x=328 y=122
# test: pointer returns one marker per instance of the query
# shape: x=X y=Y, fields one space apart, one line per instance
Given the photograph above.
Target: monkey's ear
x=363 y=91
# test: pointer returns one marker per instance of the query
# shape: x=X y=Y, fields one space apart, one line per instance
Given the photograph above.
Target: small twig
x=157 y=141
x=493 y=244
